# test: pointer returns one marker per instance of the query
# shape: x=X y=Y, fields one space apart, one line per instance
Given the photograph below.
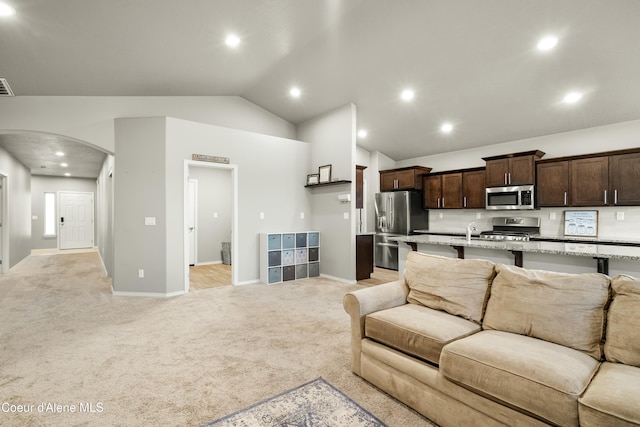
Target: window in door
x=49 y=214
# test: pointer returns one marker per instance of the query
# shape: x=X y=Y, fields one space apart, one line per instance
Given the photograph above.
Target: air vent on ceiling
x=5 y=90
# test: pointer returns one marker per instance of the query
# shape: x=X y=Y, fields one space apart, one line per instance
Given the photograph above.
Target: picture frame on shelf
x=324 y=173
x=313 y=179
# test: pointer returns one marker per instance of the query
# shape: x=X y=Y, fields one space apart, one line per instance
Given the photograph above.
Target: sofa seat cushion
x=457 y=286
x=416 y=330
x=563 y=308
x=537 y=377
x=623 y=341
x=613 y=397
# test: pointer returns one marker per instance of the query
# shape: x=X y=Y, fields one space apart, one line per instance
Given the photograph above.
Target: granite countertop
x=579 y=248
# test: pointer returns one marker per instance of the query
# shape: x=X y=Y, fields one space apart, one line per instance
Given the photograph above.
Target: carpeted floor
x=66 y=340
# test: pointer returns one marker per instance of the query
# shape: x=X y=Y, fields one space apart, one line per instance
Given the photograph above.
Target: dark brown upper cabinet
x=409 y=178
x=590 y=181
x=443 y=191
x=552 y=183
x=360 y=186
x=473 y=189
x=624 y=179
x=512 y=169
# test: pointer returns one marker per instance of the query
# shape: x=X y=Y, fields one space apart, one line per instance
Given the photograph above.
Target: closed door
x=76 y=220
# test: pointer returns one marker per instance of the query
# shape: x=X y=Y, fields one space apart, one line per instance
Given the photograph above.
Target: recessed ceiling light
x=232 y=40
x=407 y=95
x=67 y=174
x=547 y=43
x=6 y=10
x=295 y=92
x=572 y=97
x=446 y=128
x=59 y=153
x=64 y=165
x=362 y=133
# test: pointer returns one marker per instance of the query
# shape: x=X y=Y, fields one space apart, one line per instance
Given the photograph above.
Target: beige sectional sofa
x=473 y=343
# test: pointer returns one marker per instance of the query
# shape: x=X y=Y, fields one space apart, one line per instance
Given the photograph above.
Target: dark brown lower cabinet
x=364 y=256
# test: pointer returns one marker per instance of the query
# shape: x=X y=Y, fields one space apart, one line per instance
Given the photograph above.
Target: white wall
x=51 y=184
x=104 y=213
x=332 y=137
x=90 y=118
x=215 y=198
x=18 y=224
x=592 y=140
x=271 y=177
x=139 y=192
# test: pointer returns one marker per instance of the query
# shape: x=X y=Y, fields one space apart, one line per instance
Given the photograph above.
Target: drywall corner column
x=332 y=138
x=17 y=224
x=139 y=193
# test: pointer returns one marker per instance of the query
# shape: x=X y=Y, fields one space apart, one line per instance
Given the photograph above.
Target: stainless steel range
x=512 y=229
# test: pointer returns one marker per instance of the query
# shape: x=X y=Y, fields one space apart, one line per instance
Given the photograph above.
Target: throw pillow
x=563 y=308
x=456 y=286
x=622 y=343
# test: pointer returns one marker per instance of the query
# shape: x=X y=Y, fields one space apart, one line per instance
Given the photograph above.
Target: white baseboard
x=146 y=294
x=208 y=263
x=248 y=282
x=339 y=279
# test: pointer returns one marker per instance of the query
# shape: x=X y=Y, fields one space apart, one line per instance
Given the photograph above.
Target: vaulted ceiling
x=471 y=63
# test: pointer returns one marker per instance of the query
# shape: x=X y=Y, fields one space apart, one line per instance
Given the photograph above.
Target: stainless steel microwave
x=510 y=198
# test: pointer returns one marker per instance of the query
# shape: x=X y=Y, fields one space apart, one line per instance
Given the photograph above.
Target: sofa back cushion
x=563 y=308
x=622 y=340
x=456 y=286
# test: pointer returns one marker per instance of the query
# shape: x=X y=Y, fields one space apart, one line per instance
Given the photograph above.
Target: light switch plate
x=478 y=215
x=620 y=216
x=301 y=215
x=345 y=215
x=261 y=215
x=149 y=220
x=552 y=215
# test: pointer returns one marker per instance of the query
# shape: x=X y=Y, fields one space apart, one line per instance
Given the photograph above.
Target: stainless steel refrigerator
x=397 y=213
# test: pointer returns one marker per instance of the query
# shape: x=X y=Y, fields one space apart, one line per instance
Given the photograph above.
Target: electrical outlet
x=261 y=215
x=301 y=215
x=620 y=216
x=345 y=215
x=440 y=215
x=478 y=215
x=552 y=215
x=141 y=274
x=215 y=215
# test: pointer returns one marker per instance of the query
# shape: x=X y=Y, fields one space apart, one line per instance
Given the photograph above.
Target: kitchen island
x=627 y=252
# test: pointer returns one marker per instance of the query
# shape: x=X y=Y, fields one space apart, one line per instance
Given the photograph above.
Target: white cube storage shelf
x=289 y=256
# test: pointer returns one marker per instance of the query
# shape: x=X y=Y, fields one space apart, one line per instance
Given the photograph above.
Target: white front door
x=192 y=220
x=76 y=220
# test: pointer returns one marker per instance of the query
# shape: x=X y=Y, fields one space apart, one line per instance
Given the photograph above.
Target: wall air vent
x=5 y=90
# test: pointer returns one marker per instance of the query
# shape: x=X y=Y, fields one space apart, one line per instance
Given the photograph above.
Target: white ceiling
x=471 y=62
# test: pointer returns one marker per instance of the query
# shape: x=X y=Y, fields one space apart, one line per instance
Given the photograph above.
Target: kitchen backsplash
x=551 y=220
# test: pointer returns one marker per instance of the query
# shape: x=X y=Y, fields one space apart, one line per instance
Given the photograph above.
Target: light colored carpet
x=65 y=339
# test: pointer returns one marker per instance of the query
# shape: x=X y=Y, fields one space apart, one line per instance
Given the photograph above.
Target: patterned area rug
x=315 y=404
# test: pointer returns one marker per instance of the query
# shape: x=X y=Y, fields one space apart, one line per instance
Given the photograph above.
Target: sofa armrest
x=369 y=300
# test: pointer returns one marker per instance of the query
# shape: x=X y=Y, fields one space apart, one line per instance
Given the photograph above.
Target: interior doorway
x=210 y=225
